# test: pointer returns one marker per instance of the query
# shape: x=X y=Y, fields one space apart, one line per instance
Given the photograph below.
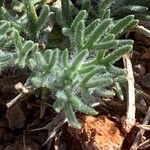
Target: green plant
x=25 y=18
x=119 y=8
x=72 y=74
x=141 y=9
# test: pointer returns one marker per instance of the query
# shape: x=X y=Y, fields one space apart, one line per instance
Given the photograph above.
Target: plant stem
x=130 y=114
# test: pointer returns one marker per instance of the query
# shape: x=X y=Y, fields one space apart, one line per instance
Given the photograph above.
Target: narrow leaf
x=21 y=61
x=116 y=55
x=35 y=48
x=4 y=27
x=119 y=27
x=36 y=81
x=32 y=16
x=81 y=16
x=78 y=60
x=106 y=45
x=14 y=23
x=86 y=5
x=26 y=47
x=105 y=93
x=59 y=104
x=87 y=69
x=101 y=83
x=60 y=101
x=91 y=74
x=98 y=31
x=32 y=65
x=121 y=79
x=41 y=62
x=100 y=56
x=66 y=12
x=65 y=58
x=80 y=106
x=106 y=14
x=125 y=42
x=5 y=56
x=79 y=35
x=54 y=59
x=109 y=37
x=105 y=4
x=43 y=16
x=137 y=8
x=71 y=116
x=115 y=70
x=48 y=55
x=66 y=31
x=91 y=26
x=17 y=40
x=119 y=91
x=130 y=26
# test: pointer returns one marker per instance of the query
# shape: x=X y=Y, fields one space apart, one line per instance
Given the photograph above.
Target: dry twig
x=129 y=120
x=22 y=90
x=141 y=131
x=13 y=101
x=143 y=126
x=55 y=125
x=143 y=30
x=144 y=145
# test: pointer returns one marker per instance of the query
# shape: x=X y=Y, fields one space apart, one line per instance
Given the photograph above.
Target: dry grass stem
x=144 y=145
x=143 y=30
x=13 y=101
x=129 y=120
x=141 y=131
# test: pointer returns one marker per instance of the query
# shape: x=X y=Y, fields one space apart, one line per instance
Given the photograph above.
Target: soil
x=98 y=133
